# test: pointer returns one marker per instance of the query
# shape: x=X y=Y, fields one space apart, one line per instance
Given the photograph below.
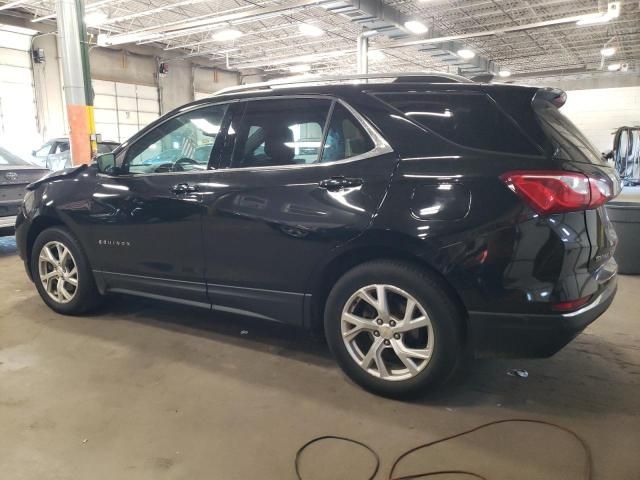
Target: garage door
x=18 y=124
x=121 y=109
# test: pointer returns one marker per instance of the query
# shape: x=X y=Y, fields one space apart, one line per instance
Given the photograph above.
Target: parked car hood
x=64 y=173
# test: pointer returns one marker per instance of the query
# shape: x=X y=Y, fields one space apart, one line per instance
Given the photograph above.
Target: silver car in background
x=56 y=155
x=15 y=175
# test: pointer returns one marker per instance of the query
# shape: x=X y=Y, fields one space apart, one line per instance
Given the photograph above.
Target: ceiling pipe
x=158 y=31
x=426 y=41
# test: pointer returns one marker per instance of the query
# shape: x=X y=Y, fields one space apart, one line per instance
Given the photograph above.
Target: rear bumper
x=8 y=222
x=534 y=335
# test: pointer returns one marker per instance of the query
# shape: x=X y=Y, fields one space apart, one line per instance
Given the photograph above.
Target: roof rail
x=410 y=77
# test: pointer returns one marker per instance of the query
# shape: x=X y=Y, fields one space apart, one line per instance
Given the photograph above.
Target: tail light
x=559 y=191
x=570 y=305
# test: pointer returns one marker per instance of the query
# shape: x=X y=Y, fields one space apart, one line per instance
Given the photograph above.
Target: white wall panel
x=18 y=121
x=599 y=112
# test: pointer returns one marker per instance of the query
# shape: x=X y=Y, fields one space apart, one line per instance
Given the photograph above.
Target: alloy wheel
x=58 y=272
x=387 y=332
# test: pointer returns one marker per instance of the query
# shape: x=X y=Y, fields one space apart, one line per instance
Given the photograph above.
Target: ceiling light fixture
x=299 y=68
x=310 y=30
x=504 y=73
x=613 y=11
x=608 y=51
x=95 y=18
x=614 y=67
x=226 y=35
x=416 y=26
x=466 y=53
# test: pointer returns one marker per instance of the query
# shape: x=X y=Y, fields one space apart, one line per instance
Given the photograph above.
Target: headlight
x=28 y=201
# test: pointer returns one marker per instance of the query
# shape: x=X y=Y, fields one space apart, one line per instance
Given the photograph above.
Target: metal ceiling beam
x=255 y=13
x=388 y=21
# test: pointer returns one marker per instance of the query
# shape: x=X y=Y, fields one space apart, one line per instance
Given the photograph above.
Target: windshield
x=569 y=142
x=8 y=158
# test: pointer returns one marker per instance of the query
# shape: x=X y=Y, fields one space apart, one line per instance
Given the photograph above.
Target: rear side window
x=345 y=137
x=278 y=132
x=569 y=142
x=469 y=119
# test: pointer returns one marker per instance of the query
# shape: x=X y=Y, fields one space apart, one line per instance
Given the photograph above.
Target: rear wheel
x=62 y=274
x=392 y=328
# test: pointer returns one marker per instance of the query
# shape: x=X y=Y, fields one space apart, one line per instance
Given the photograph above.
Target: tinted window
x=44 y=150
x=280 y=132
x=182 y=143
x=471 y=120
x=569 y=142
x=345 y=137
x=106 y=147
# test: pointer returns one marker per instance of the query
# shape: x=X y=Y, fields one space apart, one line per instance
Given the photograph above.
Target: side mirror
x=106 y=163
x=33 y=152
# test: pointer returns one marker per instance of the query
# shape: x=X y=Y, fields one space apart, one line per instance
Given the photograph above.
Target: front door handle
x=338 y=183
x=182 y=188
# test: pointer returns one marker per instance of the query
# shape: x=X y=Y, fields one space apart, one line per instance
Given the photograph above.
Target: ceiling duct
x=388 y=21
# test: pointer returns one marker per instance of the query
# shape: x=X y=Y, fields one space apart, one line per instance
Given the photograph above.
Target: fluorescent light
x=608 y=51
x=226 y=35
x=299 y=68
x=310 y=30
x=376 y=55
x=416 y=26
x=614 y=67
x=95 y=18
x=504 y=73
x=613 y=11
x=593 y=19
x=466 y=53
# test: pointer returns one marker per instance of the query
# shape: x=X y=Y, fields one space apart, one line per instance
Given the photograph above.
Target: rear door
x=298 y=177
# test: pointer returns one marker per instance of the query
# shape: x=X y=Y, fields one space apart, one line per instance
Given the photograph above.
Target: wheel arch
x=350 y=258
x=38 y=225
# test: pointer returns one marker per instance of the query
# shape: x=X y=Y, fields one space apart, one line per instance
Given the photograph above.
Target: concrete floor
x=143 y=391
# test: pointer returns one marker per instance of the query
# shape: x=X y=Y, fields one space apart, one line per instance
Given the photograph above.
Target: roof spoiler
x=554 y=96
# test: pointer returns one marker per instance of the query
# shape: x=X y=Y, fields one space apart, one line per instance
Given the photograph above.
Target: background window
x=345 y=137
x=280 y=132
x=471 y=120
x=182 y=143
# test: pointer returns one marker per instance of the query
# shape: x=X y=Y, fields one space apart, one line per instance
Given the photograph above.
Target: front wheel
x=392 y=328
x=62 y=274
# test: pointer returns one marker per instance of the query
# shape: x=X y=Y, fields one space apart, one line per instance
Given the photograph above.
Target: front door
x=147 y=219
x=302 y=176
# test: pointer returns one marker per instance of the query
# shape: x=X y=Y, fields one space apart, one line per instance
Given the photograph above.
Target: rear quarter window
x=471 y=120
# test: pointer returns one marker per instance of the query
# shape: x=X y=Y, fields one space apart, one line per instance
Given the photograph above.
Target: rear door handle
x=338 y=183
x=182 y=188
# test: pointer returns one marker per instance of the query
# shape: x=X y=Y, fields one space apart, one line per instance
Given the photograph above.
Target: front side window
x=180 y=144
x=345 y=137
x=43 y=151
x=468 y=119
x=280 y=132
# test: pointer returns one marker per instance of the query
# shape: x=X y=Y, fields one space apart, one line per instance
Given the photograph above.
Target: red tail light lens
x=559 y=191
x=571 y=305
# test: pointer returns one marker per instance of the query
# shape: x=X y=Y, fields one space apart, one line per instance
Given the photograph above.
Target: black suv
x=410 y=217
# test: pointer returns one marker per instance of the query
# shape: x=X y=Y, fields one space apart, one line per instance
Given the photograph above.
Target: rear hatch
x=574 y=150
x=13 y=181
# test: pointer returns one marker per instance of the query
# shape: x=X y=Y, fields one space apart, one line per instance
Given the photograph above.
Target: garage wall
x=18 y=120
x=176 y=88
x=599 y=112
x=209 y=80
x=48 y=90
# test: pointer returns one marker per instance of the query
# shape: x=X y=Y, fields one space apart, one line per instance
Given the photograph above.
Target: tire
x=431 y=349
x=79 y=298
